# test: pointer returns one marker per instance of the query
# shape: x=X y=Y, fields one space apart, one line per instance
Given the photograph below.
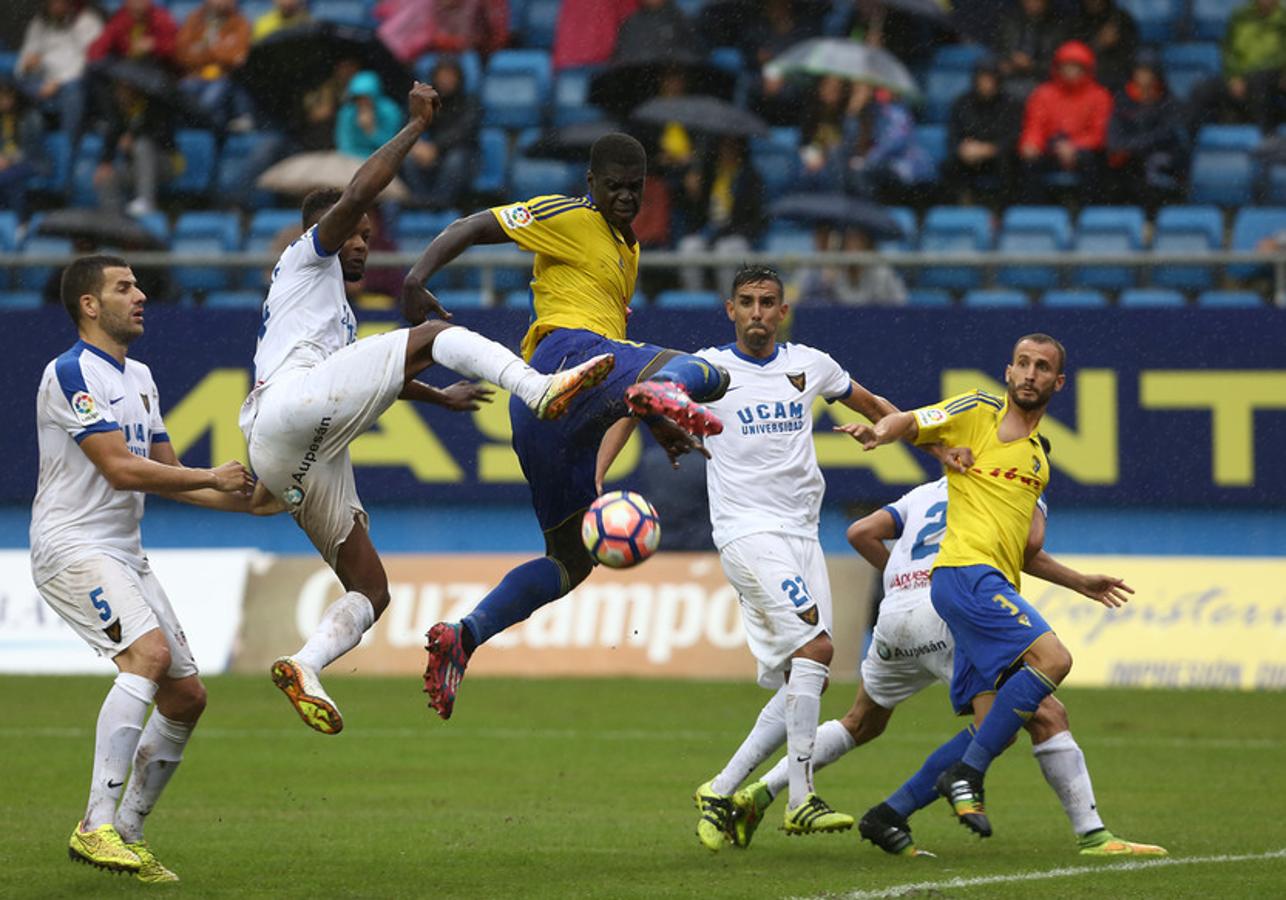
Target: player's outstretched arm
x=459 y=236
x=338 y=222
x=1106 y=589
x=875 y=408
x=259 y=502
x=614 y=441
x=868 y=534
x=463 y=396
x=890 y=428
x=126 y=472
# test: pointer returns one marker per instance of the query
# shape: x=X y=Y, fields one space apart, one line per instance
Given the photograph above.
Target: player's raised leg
x=675 y=387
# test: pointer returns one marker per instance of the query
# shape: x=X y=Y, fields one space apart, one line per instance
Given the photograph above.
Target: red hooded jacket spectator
x=1071 y=105
x=586 y=34
x=139 y=30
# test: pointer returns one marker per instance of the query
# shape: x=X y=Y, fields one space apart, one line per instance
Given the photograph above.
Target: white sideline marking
x=904 y=890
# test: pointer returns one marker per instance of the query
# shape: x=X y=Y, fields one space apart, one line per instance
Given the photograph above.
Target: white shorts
x=785 y=596
x=911 y=648
x=299 y=425
x=111 y=605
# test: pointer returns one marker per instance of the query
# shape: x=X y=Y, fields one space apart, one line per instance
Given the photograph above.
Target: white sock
x=763 y=741
x=340 y=629
x=475 y=356
x=159 y=753
x=1063 y=765
x=833 y=741
x=803 y=704
x=120 y=723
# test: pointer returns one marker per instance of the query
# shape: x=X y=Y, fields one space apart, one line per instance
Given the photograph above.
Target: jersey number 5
x=104 y=609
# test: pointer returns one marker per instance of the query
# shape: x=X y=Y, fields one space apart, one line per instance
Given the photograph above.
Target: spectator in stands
x=211 y=45
x=1266 y=99
x=51 y=61
x=722 y=207
x=367 y=119
x=1112 y=34
x=141 y=31
x=873 y=285
x=413 y=27
x=879 y=155
x=137 y=150
x=586 y=32
x=1146 y=144
x=821 y=134
x=1029 y=35
x=441 y=165
x=657 y=23
x=284 y=14
x=1065 y=124
x=21 y=151
x=779 y=27
x=982 y=136
x=1254 y=42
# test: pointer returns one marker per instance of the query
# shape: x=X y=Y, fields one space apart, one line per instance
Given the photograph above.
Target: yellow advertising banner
x=1211 y=622
x=675 y=616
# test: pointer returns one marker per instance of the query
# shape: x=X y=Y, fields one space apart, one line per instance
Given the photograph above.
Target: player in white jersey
x=103 y=444
x=317 y=388
x=912 y=648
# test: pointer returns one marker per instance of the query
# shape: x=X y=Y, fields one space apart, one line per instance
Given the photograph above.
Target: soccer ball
x=621 y=529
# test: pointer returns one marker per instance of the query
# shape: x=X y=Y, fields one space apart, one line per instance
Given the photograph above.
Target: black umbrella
x=724 y=23
x=101 y=227
x=925 y=10
x=629 y=82
x=838 y=209
x=706 y=114
x=570 y=143
x=292 y=61
x=149 y=80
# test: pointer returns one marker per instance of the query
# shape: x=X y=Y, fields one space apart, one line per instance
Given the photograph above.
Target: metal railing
x=487 y=261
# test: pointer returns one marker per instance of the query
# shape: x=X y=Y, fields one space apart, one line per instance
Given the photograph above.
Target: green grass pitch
x=583 y=789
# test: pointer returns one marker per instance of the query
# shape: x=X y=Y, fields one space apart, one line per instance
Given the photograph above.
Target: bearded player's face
x=1033 y=376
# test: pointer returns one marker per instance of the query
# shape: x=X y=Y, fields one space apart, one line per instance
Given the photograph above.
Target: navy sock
x=921 y=788
x=1016 y=702
x=519 y=594
x=699 y=378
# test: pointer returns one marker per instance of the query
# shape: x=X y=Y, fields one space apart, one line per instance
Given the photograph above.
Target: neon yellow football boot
x=102 y=847
x=714 y=826
x=153 y=871
x=748 y=807
x=815 y=816
x=1104 y=843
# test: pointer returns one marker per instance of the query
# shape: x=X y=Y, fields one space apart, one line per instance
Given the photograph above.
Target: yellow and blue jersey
x=584 y=273
x=991 y=506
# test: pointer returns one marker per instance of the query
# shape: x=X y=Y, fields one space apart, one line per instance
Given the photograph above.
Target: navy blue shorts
x=558 y=457
x=991 y=623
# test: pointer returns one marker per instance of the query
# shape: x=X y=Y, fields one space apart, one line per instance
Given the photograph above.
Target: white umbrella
x=847 y=59
x=305 y=172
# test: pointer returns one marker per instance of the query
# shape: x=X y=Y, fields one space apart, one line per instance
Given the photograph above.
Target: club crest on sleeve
x=82 y=405
x=516 y=216
x=147 y=402
x=113 y=632
x=809 y=615
x=798 y=379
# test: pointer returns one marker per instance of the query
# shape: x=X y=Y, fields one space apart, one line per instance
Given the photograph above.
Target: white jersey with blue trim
x=921 y=518
x=306 y=316
x=763 y=473
x=77 y=513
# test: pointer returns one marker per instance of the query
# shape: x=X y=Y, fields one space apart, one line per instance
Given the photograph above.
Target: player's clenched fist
x=232 y=477
x=424 y=102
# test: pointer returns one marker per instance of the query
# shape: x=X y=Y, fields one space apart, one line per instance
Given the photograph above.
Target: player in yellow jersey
x=582 y=282
x=1007 y=657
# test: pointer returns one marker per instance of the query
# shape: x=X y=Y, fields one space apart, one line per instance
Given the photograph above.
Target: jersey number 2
x=926 y=542
x=796 y=591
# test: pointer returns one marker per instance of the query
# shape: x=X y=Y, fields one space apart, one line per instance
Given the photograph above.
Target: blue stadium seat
x=1210 y=17
x=1104 y=230
x=234 y=300
x=1222 y=169
x=905 y=217
x=470 y=68
x=493 y=152
x=776 y=159
x=729 y=59
x=941 y=88
x=197 y=149
x=456 y=299
x=415 y=229
x=230 y=174
x=929 y=297
x=1251 y=226
x=223 y=226
x=8 y=231
x=792 y=239
x=263 y=229
x=157 y=224
x=1033 y=229
x=57 y=149
x=539 y=23
x=517 y=10
x=516 y=88
x=34 y=278
x=1230 y=300
x=200 y=278
x=933 y=140
x=504 y=278
x=571 y=97
x=958 y=57
x=1187 y=64
x=341 y=12
x=949 y=229
x=12 y=301
x=1140 y=298
x=688 y=300
x=1157 y=19
x=997 y=298
x=84 y=162
x=1191 y=230
x=533 y=177
x=1080 y=298
x=518 y=299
